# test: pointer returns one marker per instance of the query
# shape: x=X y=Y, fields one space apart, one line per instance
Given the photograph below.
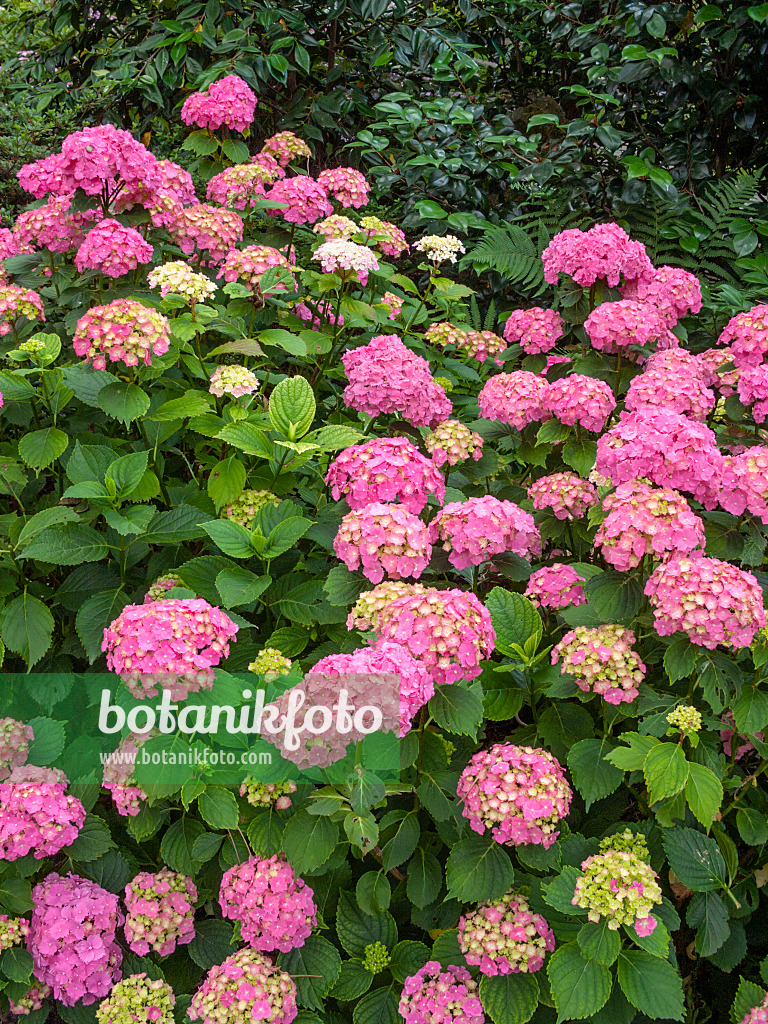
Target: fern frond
x=475 y=317
x=511 y=252
x=490 y=317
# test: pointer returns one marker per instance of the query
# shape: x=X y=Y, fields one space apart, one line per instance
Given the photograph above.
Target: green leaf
x=315 y=968
x=344 y=587
x=265 y=833
x=285 y=536
x=373 y=892
x=185 y=522
x=94 y=615
x=285 y=340
x=176 y=847
x=580 y=456
x=651 y=985
x=48 y=741
x=93 y=840
x=212 y=943
x=378 y=1007
x=502 y=698
x=457 y=709
x=226 y=481
x=70 y=544
x=593 y=776
x=26 y=628
x=408 y=957
x=748 y=996
x=248 y=438
x=515 y=619
x=292 y=407
x=752 y=826
x=680 y=659
x=16 y=896
x=232 y=538
x=615 y=596
x=124 y=402
x=665 y=770
x=401 y=845
x=16 y=964
x=309 y=840
x=708 y=913
x=424 y=878
x=579 y=987
x=193 y=403
x=695 y=859
x=207 y=846
x=357 y=929
x=632 y=758
x=238 y=585
x=334 y=436
x=235 y=151
x=126 y=472
x=353 y=982
x=750 y=712
x=510 y=998
x=42 y=447
x=704 y=793
x=42 y=520
x=218 y=807
x=559 y=892
x=478 y=869
x=598 y=942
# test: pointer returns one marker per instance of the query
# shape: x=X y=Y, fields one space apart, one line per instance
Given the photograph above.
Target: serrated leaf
x=309 y=840
x=424 y=878
x=515 y=619
x=510 y=998
x=248 y=438
x=26 y=627
x=40 y=448
x=651 y=985
x=315 y=968
x=615 y=596
x=599 y=942
x=92 y=842
x=94 y=615
x=666 y=771
x=212 y=943
x=695 y=858
x=580 y=987
x=357 y=929
x=124 y=402
x=704 y=793
x=218 y=807
x=292 y=407
x=457 y=710
x=478 y=869
x=593 y=776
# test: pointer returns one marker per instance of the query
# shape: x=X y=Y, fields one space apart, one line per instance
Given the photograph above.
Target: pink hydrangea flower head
x=104 y=161
x=713 y=602
x=118 y=777
x=745 y=483
x=13 y=930
x=368 y=607
x=604 y=253
x=452 y=442
x=15 y=738
x=52 y=226
x=758 y=1014
x=209 y=229
x=612 y=326
x=178 y=278
x=286 y=147
x=305 y=200
x=673 y=292
x=514 y=398
x=672 y=386
x=250 y=264
x=275 y=909
x=483 y=345
x=31 y=1001
x=246 y=987
x=233 y=380
x=747 y=336
x=444 y=333
x=348 y=186
x=393 y=303
x=386 y=377
x=505 y=937
x=239 y=187
x=138 y=1000
x=518 y=794
x=269 y=164
x=161 y=912
x=347 y=259
x=536 y=329
x=229 y=101
x=556 y=586
x=12 y=243
x=383 y=540
x=753 y=390
x=382 y=470
x=449 y=631
x=335 y=227
x=712 y=363
x=441 y=996
x=112 y=249
x=175 y=644
x=618 y=885
x=43 y=177
x=124 y=331
x=16 y=302
x=37 y=815
x=177 y=182
x=72 y=938
x=383 y=235
x=644 y=520
x=474 y=530
x=565 y=493
x=579 y=399
x=602 y=661
x=667 y=449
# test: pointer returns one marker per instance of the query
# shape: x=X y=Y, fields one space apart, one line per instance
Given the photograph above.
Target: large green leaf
x=696 y=859
x=651 y=985
x=309 y=840
x=457 y=709
x=26 y=627
x=357 y=929
x=40 y=448
x=70 y=544
x=315 y=966
x=478 y=869
x=510 y=998
x=515 y=619
x=593 y=776
x=580 y=987
x=666 y=770
x=292 y=407
x=123 y=402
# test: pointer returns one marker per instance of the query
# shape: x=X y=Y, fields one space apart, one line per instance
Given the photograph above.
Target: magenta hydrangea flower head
x=368 y=607
x=174 y=644
x=581 y=400
x=348 y=186
x=16 y=302
x=665 y=448
x=43 y=177
x=240 y=186
x=556 y=586
x=505 y=937
x=52 y=226
x=11 y=243
x=72 y=938
x=275 y=909
x=536 y=329
x=441 y=996
x=385 y=469
x=753 y=390
x=604 y=253
x=286 y=147
x=382 y=540
x=518 y=794
x=619 y=885
x=104 y=161
x=246 y=987
x=682 y=392
x=15 y=738
x=383 y=235
x=745 y=483
x=209 y=229
x=483 y=345
x=305 y=200
x=250 y=264
x=713 y=602
x=565 y=493
x=229 y=101
x=602 y=661
x=138 y=1000
x=37 y=815
x=644 y=520
x=112 y=249
x=612 y=326
x=514 y=398
x=347 y=259
x=124 y=331
x=673 y=292
x=386 y=377
x=747 y=336
x=451 y=442
x=449 y=631
x=177 y=182
x=118 y=775
x=474 y=530
x=161 y=912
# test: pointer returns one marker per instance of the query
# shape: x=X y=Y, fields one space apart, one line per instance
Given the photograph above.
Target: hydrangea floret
x=240 y=186
x=387 y=469
x=161 y=912
x=514 y=398
x=579 y=400
x=376 y=957
x=37 y=815
x=443 y=333
x=246 y=987
x=441 y=996
x=393 y=303
x=753 y=390
x=484 y=345
x=612 y=326
x=505 y=937
x=383 y=539
x=286 y=147
x=452 y=442
x=16 y=302
x=305 y=201
x=112 y=249
x=565 y=493
x=124 y=331
x=366 y=610
x=335 y=226
x=603 y=253
x=138 y=999
x=619 y=885
x=474 y=530
x=233 y=380
x=602 y=661
x=274 y=907
x=347 y=186
x=556 y=586
x=211 y=230
x=535 y=329
x=227 y=102
x=746 y=335
x=745 y=483
x=118 y=776
x=685 y=718
x=161 y=586
x=383 y=235
x=13 y=930
x=673 y=292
